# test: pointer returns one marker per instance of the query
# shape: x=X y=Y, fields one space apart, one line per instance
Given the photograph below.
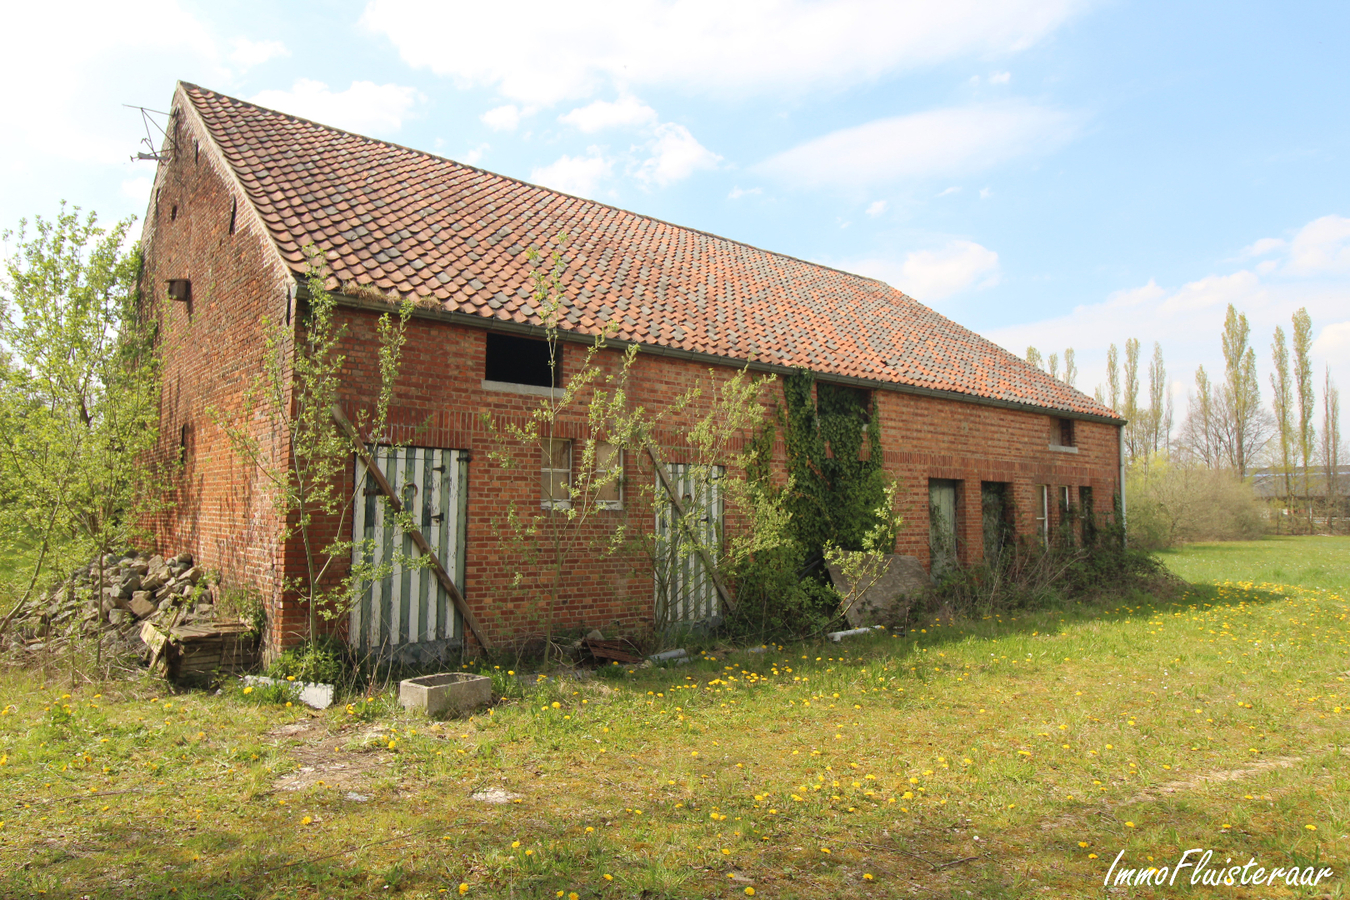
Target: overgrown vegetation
x=303 y=455
x=1059 y=738
x=79 y=394
x=1173 y=503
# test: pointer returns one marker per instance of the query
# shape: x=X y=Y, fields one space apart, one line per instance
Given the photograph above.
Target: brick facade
x=201 y=227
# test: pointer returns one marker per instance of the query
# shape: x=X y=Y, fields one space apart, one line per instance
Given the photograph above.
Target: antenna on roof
x=149 y=139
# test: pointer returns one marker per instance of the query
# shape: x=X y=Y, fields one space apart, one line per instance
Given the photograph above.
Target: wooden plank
x=388 y=490
x=684 y=522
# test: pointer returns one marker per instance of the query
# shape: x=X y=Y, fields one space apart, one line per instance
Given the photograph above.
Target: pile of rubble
x=115 y=595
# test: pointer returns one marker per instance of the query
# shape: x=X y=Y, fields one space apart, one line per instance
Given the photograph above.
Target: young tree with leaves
x=1113 y=378
x=1159 y=404
x=1282 y=404
x=1241 y=400
x=1136 y=427
x=309 y=472
x=78 y=396
x=1331 y=446
x=1070 y=368
x=1307 y=401
x=1034 y=357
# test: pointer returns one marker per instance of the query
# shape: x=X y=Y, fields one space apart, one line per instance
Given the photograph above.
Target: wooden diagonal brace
x=421 y=542
x=684 y=523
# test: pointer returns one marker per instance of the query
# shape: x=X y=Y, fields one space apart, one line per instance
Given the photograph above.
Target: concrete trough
x=446 y=694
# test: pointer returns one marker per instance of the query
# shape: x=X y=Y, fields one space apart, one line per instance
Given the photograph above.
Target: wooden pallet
x=194 y=652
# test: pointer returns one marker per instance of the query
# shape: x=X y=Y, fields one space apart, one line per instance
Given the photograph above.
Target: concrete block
x=446 y=693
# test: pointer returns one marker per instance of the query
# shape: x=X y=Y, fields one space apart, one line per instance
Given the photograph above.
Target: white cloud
x=675 y=155
x=710 y=46
x=933 y=275
x=137 y=189
x=67 y=73
x=502 y=118
x=1000 y=78
x=580 y=175
x=876 y=208
x=365 y=107
x=1321 y=246
x=1188 y=320
x=738 y=192
x=1333 y=342
x=247 y=54
x=474 y=156
x=954 y=189
x=923 y=145
x=626 y=112
x=1264 y=246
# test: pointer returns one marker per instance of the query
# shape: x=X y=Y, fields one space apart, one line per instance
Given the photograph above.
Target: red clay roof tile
x=434 y=228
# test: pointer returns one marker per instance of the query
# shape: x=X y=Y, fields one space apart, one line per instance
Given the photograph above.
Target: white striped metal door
x=685 y=591
x=407 y=604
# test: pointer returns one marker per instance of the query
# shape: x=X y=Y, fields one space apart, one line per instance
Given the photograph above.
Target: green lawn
x=1010 y=757
x=1318 y=562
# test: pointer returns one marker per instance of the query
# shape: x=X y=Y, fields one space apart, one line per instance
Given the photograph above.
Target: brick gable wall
x=212 y=350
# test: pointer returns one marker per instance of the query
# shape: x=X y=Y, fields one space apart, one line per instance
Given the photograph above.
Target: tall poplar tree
x=1241 y=391
x=1281 y=400
x=1307 y=402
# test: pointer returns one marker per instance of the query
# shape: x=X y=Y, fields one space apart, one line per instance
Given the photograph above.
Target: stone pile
x=116 y=594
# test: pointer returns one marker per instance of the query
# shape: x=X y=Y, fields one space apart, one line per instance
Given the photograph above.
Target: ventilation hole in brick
x=173 y=213
x=520 y=360
x=234 y=212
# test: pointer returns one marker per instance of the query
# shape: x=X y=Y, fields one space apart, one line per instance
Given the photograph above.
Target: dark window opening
x=522 y=360
x=196 y=151
x=180 y=289
x=1088 y=515
x=173 y=212
x=996 y=510
x=183 y=434
x=234 y=213
x=1066 y=437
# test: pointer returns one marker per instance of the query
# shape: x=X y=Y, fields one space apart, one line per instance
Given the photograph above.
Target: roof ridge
x=540 y=187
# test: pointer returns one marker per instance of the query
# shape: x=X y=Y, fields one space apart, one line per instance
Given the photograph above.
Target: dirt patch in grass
x=324 y=760
x=1221 y=776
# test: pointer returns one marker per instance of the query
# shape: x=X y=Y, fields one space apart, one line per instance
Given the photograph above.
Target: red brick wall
x=440 y=402
x=212 y=352
x=223 y=511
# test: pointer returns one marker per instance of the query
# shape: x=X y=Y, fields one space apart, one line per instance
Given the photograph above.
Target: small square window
x=1066 y=436
x=520 y=360
x=555 y=480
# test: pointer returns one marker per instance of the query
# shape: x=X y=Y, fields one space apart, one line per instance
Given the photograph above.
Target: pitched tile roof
x=427 y=227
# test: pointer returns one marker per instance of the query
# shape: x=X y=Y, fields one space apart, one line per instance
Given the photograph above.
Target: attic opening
x=1065 y=433
x=521 y=360
x=234 y=212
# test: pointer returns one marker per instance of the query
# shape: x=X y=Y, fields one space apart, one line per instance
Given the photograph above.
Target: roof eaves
x=507 y=326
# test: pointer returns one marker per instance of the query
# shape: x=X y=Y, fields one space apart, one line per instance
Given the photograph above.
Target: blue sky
x=1047 y=172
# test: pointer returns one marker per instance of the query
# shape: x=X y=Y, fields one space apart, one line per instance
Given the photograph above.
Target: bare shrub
x=1171 y=504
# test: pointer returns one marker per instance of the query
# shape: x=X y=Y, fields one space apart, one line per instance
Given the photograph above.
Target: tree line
x=1226 y=428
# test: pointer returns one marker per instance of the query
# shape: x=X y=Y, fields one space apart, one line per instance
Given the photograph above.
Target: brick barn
x=241 y=190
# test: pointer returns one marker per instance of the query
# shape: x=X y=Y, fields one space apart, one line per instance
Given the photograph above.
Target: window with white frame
x=608 y=476
x=555 y=476
x=1043 y=513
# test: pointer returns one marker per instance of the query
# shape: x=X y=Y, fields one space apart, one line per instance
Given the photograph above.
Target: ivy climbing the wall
x=836 y=494
x=833 y=445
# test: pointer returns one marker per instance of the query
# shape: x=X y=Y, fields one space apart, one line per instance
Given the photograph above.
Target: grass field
x=1009 y=757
